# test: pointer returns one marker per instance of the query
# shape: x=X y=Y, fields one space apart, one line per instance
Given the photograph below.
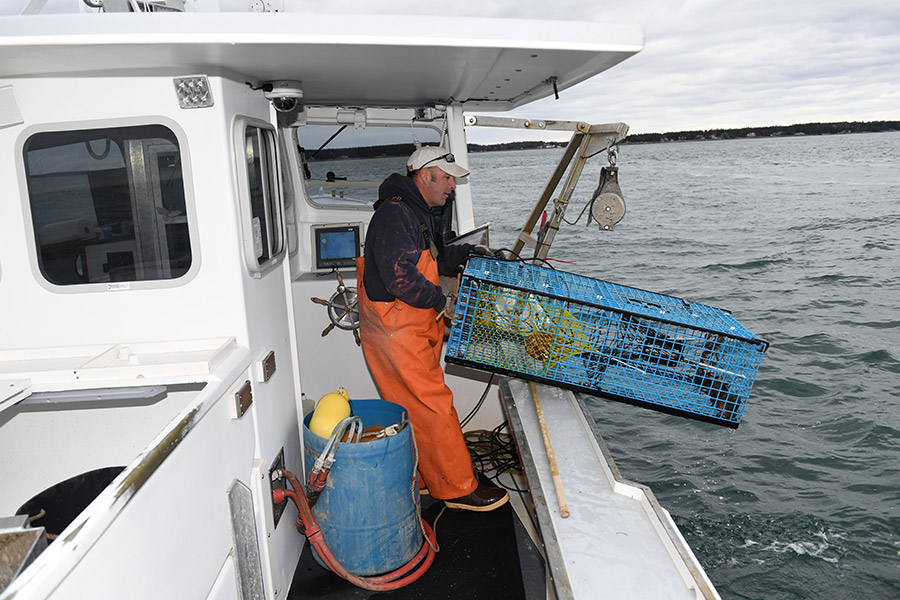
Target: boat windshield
x=346 y=171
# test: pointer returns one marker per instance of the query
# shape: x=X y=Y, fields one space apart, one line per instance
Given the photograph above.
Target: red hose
x=380 y=583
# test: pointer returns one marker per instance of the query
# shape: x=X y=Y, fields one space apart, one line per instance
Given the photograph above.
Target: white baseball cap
x=435 y=156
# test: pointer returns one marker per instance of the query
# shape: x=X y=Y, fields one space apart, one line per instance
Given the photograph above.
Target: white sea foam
x=814 y=548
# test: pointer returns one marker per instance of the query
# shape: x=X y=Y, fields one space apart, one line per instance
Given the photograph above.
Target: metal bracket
x=617 y=130
x=130 y=396
x=267 y=366
x=243 y=398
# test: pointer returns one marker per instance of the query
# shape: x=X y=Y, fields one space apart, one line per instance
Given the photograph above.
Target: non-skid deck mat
x=479 y=558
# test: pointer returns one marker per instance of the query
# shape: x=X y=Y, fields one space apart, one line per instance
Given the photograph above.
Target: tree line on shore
x=772 y=131
x=842 y=127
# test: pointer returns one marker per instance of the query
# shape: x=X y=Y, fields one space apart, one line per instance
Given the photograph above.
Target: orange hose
x=389 y=581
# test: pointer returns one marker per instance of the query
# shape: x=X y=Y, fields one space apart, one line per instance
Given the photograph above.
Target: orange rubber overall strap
x=402 y=346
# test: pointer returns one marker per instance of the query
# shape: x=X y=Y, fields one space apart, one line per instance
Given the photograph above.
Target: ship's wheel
x=342 y=308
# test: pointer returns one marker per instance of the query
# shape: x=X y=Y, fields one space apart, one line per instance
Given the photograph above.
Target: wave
x=834 y=279
x=880 y=359
x=856 y=437
x=756 y=264
x=855 y=223
x=822 y=548
x=837 y=303
x=815 y=343
x=879 y=245
x=795 y=388
x=871 y=324
x=762 y=539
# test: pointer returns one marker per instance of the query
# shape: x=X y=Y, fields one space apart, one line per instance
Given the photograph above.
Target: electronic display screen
x=336 y=246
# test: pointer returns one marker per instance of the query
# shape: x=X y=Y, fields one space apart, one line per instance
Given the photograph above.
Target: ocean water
x=800 y=238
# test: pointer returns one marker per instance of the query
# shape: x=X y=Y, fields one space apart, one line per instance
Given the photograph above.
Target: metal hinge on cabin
x=267 y=366
x=243 y=398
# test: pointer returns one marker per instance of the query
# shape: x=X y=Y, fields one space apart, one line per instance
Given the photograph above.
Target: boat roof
x=355 y=60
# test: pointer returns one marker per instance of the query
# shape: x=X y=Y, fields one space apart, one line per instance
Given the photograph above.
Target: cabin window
x=260 y=191
x=343 y=167
x=108 y=205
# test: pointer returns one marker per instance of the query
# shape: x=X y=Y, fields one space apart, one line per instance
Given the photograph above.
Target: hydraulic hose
x=390 y=581
x=319 y=473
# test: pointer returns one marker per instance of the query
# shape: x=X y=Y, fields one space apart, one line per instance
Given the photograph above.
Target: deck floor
x=482 y=555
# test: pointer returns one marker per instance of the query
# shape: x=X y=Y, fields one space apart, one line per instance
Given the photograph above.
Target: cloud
x=710 y=64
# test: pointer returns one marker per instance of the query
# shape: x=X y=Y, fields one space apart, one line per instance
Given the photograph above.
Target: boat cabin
x=167 y=218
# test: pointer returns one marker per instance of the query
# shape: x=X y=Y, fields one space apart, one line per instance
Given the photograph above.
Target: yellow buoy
x=330 y=410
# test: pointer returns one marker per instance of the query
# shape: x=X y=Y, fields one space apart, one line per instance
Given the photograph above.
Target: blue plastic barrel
x=367 y=511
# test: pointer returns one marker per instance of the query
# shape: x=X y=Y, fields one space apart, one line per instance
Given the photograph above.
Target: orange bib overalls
x=402 y=346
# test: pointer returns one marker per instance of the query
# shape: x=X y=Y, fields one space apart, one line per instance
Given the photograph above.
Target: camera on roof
x=284 y=95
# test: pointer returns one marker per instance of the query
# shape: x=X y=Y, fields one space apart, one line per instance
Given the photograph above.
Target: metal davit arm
x=587 y=141
x=525 y=237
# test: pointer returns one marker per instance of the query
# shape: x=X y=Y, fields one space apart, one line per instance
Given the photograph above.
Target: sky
x=710 y=64
x=707 y=64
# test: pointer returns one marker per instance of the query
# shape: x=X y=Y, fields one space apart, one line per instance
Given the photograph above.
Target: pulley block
x=608 y=205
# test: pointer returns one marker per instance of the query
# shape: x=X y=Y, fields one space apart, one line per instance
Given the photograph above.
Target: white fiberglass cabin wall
x=144 y=293
x=155 y=274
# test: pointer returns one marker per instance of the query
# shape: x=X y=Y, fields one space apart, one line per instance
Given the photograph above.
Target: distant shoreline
x=800 y=129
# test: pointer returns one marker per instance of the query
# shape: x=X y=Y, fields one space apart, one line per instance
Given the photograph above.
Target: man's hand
x=449 y=307
x=485 y=251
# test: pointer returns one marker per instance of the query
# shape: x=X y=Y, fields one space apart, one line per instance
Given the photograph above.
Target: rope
x=415 y=494
x=494 y=454
x=307 y=525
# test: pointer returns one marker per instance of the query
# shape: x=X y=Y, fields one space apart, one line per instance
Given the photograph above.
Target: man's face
x=435 y=185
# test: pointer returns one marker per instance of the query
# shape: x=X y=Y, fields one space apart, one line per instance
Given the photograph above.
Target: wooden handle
x=551 y=456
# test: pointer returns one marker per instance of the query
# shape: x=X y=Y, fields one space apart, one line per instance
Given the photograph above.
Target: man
x=400 y=300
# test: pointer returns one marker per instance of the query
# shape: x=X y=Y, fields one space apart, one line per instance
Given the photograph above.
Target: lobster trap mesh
x=602 y=338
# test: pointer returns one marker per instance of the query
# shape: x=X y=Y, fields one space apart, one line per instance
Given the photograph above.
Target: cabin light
x=193 y=91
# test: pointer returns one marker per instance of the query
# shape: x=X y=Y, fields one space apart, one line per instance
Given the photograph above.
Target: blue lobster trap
x=592 y=336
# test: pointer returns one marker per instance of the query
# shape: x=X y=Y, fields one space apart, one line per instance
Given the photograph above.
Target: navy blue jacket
x=394 y=243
